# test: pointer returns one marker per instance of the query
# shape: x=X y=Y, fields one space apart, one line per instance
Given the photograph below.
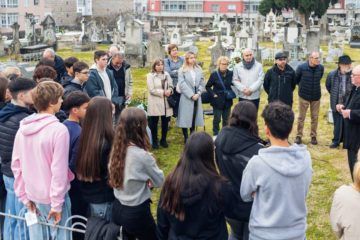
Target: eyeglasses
x=316 y=58
x=225 y=64
x=282 y=59
x=85 y=72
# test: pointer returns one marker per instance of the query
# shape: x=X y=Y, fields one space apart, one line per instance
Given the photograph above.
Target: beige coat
x=345 y=213
x=157 y=102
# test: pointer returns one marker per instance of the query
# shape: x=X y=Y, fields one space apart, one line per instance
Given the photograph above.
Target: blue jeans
x=13 y=229
x=101 y=210
x=38 y=231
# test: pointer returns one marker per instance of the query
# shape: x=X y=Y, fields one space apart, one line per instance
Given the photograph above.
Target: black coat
x=352 y=126
x=60 y=68
x=200 y=222
x=279 y=85
x=95 y=86
x=309 y=80
x=214 y=86
x=333 y=85
x=70 y=86
x=99 y=229
x=10 y=117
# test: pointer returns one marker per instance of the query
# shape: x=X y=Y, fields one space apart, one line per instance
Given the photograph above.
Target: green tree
x=305 y=7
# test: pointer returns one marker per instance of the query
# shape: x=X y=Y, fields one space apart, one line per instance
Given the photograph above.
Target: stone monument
x=154 y=48
x=216 y=51
x=355 y=37
x=134 y=47
x=2 y=47
x=175 y=37
x=15 y=44
x=49 y=30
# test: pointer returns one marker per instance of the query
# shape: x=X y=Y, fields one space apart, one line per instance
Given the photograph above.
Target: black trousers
x=137 y=221
x=153 y=125
x=78 y=206
x=338 y=120
x=254 y=101
x=352 y=158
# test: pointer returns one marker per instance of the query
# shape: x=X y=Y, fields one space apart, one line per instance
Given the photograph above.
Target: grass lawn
x=330 y=166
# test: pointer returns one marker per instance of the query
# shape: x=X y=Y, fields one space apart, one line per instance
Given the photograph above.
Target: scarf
x=249 y=65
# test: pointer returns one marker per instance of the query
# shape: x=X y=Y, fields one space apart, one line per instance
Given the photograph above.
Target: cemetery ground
x=330 y=167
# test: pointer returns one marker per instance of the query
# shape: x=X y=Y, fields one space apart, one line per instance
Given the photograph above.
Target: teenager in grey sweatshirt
x=278 y=180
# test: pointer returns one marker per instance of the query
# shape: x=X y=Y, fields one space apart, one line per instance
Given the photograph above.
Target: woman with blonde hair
x=219 y=87
x=191 y=84
x=160 y=87
x=345 y=209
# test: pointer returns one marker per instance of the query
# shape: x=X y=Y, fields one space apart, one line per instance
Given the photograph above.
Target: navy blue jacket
x=309 y=80
x=214 y=86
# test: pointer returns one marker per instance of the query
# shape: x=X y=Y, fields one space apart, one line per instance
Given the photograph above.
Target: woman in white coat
x=190 y=84
x=160 y=86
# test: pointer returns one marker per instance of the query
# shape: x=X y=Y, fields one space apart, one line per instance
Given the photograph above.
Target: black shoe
x=155 y=145
x=298 y=140
x=314 y=141
x=164 y=144
x=334 y=145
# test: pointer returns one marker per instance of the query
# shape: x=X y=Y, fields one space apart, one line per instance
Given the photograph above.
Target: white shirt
x=107 y=85
x=193 y=74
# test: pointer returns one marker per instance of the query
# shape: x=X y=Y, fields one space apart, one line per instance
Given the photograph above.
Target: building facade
x=198 y=12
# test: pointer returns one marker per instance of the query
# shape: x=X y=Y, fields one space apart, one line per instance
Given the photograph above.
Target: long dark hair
x=194 y=170
x=130 y=131
x=244 y=115
x=97 y=130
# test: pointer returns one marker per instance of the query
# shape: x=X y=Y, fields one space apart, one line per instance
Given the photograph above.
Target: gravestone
x=216 y=51
x=176 y=37
x=120 y=23
x=15 y=44
x=95 y=32
x=292 y=39
x=29 y=28
x=49 y=27
x=225 y=28
x=134 y=48
x=216 y=22
x=355 y=37
x=116 y=38
x=312 y=41
x=243 y=39
x=154 y=48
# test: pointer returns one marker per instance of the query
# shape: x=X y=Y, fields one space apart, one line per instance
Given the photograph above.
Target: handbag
x=229 y=94
x=171 y=99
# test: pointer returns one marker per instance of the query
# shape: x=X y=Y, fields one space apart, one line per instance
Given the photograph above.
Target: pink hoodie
x=40 y=161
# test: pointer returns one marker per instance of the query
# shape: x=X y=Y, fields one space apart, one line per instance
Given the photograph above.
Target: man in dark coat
x=338 y=84
x=81 y=75
x=279 y=81
x=351 y=114
x=308 y=76
x=59 y=66
x=101 y=81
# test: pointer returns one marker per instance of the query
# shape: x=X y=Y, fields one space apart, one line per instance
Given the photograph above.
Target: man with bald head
x=248 y=78
x=59 y=66
x=308 y=76
x=351 y=114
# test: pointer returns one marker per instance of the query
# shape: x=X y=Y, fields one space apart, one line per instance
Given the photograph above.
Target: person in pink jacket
x=40 y=162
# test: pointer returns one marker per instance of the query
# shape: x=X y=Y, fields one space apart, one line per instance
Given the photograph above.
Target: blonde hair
x=46 y=93
x=11 y=70
x=186 y=65
x=356 y=174
x=222 y=58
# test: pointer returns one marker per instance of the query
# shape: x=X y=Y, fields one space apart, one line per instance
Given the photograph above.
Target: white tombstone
x=225 y=28
x=176 y=37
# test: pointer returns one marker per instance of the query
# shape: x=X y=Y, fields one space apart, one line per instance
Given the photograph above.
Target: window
x=8 y=19
x=215 y=8
x=36 y=2
x=26 y=3
x=9 y=3
x=232 y=8
x=255 y=8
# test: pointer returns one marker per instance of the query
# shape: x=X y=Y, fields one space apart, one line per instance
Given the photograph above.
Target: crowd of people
x=70 y=146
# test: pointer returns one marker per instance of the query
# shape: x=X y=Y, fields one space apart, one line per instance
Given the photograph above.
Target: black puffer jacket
x=70 y=86
x=10 y=117
x=309 y=80
x=279 y=85
x=333 y=86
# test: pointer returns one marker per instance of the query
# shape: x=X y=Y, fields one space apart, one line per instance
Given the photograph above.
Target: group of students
x=85 y=166
x=109 y=174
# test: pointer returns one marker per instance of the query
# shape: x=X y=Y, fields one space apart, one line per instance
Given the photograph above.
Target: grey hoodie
x=280 y=178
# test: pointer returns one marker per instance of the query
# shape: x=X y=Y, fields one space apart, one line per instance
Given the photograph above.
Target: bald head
x=248 y=55
x=113 y=49
x=355 y=76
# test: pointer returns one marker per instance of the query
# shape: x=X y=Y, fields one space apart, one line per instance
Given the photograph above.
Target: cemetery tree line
x=305 y=7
